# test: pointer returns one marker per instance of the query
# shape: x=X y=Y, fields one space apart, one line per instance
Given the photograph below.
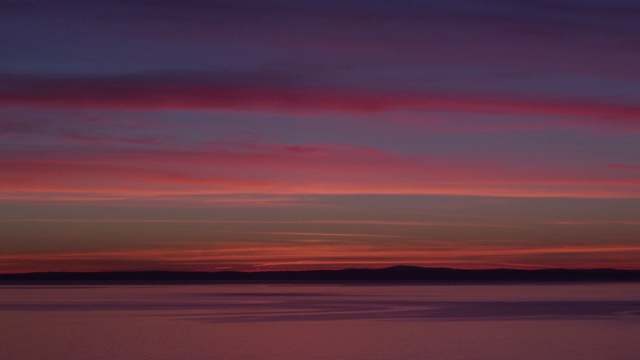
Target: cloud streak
x=317 y=255
x=290 y=169
x=157 y=93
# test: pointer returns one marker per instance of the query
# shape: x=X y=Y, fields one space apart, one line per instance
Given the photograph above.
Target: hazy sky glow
x=293 y=134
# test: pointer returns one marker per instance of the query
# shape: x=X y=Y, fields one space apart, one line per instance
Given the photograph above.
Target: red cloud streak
x=138 y=92
x=273 y=169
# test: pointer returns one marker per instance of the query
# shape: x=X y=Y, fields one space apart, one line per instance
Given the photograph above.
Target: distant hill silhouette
x=394 y=274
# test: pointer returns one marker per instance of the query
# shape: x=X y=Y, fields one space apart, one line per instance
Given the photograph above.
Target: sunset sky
x=296 y=134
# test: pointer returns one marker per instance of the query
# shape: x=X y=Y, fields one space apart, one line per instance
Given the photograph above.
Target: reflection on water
x=591 y=321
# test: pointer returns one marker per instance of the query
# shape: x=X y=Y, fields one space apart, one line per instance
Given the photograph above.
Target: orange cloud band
x=302 y=255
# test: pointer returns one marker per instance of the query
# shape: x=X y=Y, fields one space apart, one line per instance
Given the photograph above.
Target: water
x=592 y=321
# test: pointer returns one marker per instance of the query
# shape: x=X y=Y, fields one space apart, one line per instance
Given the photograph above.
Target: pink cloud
x=290 y=169
x=139 y=92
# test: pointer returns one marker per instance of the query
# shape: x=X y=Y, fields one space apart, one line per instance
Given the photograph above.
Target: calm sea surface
x=594 y=321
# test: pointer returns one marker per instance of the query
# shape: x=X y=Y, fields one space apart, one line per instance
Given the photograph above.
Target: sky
x=295 y=134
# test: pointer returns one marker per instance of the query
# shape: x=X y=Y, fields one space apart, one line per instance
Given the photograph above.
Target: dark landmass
x=390 y=275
